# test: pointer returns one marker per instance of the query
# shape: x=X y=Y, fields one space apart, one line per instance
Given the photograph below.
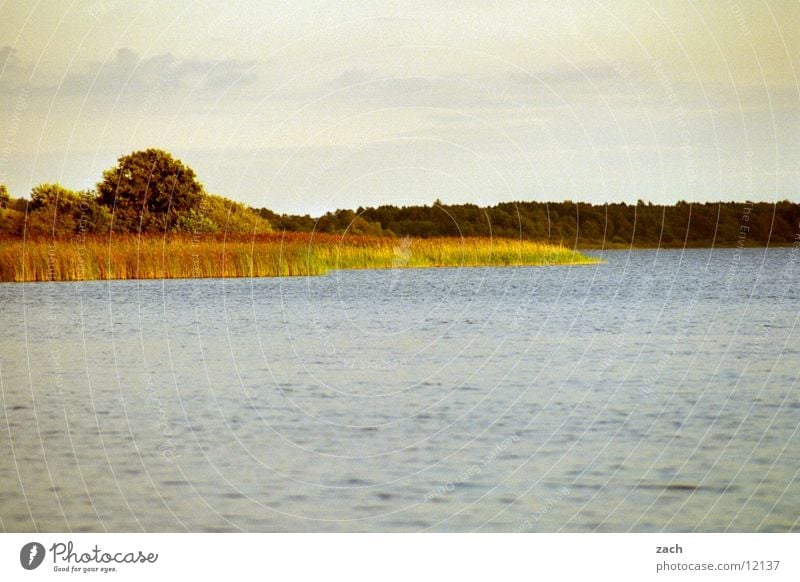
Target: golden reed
x=269 y=255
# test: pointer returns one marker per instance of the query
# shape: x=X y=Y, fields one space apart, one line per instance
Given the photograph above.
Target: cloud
x=8 y=57
x=511 y=90
x=355 y=76
x=568 y=74
x=12 y=71
x=131 y=74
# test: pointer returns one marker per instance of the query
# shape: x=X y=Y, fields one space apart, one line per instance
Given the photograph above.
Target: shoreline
x=148 y=258
x=269 y=255
x=325 y=274
x=624 y=247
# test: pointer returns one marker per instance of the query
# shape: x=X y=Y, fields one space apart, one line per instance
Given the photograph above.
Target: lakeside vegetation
x=147 y=193
x=577 y=225
x=270 y=255
x=149 y=217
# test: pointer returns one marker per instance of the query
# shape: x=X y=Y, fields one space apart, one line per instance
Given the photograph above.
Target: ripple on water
x=562 y=361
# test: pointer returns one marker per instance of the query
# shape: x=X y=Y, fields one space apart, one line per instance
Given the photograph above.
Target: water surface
x=655 y=392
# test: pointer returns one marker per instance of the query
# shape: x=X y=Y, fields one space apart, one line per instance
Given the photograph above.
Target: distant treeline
x=581 y=224
x=151 y=192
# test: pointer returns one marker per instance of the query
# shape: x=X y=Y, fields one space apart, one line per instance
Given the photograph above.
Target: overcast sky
x=305 y=107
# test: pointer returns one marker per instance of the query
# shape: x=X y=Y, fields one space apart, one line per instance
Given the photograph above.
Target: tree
x=58 y=211
x=50 y=211
x=5 y=197
x=149 y=190
x=217 y=215
x=52 y=195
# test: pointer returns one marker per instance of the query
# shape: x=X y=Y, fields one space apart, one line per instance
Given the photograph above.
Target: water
x=655 y=392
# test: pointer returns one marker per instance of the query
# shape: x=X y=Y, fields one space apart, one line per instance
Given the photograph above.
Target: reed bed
x=274 y=255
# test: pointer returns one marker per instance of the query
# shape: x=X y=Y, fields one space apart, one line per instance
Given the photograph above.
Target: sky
x=305 y=107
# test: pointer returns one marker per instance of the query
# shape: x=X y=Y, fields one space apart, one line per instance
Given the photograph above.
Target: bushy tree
x=50 y=195
x=149 y=190
x=58 y=211
x=216 y=215
x=5 y=197
x=10 y=218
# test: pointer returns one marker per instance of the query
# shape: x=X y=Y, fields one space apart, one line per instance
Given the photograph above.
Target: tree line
x=571 y=223
x=149 y=191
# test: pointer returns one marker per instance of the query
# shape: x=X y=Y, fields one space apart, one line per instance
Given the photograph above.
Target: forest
x=574 y=224
x=150 y=192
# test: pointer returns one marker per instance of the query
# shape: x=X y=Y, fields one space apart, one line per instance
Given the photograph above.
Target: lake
x=657 y=391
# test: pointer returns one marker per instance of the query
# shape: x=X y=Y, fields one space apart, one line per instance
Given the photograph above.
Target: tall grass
x=272 y=255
